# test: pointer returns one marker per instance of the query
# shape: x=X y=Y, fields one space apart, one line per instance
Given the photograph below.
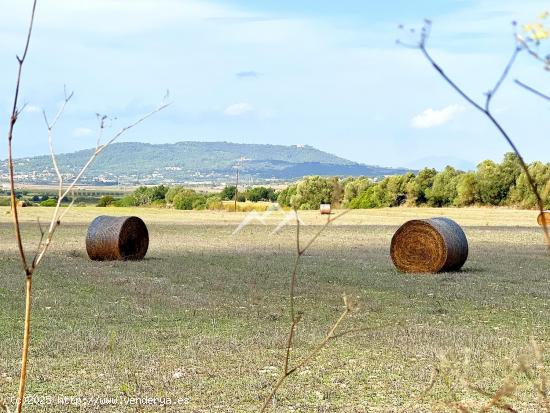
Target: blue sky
x=323 y=73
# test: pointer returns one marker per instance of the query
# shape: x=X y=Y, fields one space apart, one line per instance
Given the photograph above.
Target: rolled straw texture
x=429 y=246
x=117 y=238
x=546 y=215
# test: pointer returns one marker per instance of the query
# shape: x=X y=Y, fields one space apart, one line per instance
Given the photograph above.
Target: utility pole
x=237 y=182
x=237 y=188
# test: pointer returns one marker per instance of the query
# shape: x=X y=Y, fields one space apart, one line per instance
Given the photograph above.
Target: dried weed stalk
x=485 y=107
x=296 y=317
x=529 y=366
x=29 y=266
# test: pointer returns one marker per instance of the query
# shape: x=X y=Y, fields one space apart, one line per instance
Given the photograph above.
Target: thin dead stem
x=28 y=273
x=485 y=109
x=531 y=366
x=532 y=90
x=495 y=399
x=541 y=388
x=13 y=120
x=63 y=192
x=295 y=318
x=45 y=236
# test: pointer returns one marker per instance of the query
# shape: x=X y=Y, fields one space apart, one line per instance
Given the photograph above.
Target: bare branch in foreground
x=486 y=110
x=45 y=236
x=530 y=365
x=532 y=90
x=28 y=274
x=295 y=318
x=63 y=192
x=13 y=120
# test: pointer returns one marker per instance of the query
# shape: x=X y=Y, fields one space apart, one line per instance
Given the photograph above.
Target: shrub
x=373 y=197
x=228 y=193
x=172 y=192
x=126 y=201
x=260 y=193
x=313 y=191
x=49 y=202
x=147 y=195
x=158 y=203
x=353 y=187
x=183 y=201
x=106 y=200
x=214 y=203
x=286 y=195
x=199 y=203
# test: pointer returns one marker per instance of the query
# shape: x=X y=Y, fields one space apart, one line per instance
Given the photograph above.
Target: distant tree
x=228 y=193
x=126 y=201
x=373 y=197
x=286 y=195
x=522 y=195
x=199 y=203
x=213 y=202
x=467 y=190
x=416 y=189
x=188 y=199
x=510 y=169
x=260 y=193
x=51 y=202
x=172 y=192
x=337 y=195
x=313 y=191
x=147 y=195
x=353 y=187
x=396 y=188
x=443 y=191
x=105 y=201
x=493 y=185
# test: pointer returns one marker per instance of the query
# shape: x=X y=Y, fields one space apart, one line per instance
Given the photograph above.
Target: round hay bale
x=429 y=245
x=117 y=238
x=325 y=209
x=546 y=215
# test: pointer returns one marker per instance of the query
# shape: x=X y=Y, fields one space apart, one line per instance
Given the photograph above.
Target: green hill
x=181 y=162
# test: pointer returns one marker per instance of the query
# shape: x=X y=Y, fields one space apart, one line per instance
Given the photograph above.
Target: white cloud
x=238 y=109
x=432 y=117
x=80 y=132
x=32 y=109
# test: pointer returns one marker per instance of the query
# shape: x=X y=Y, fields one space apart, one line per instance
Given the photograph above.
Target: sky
x=317 y=72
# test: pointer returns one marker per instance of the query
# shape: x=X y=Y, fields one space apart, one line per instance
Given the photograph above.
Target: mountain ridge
x=193 y=161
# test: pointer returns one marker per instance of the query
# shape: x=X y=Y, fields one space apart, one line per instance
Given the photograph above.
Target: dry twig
x=46 y=237
x=485 y=108
x=295 y=317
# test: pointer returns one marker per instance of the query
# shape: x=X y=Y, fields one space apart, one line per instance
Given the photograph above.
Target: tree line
x=491 y=184
x=180 y=197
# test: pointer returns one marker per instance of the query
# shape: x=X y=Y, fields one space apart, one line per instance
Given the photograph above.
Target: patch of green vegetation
x=492 y=184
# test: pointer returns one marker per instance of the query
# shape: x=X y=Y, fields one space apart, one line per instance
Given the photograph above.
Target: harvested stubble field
x=205 y=316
